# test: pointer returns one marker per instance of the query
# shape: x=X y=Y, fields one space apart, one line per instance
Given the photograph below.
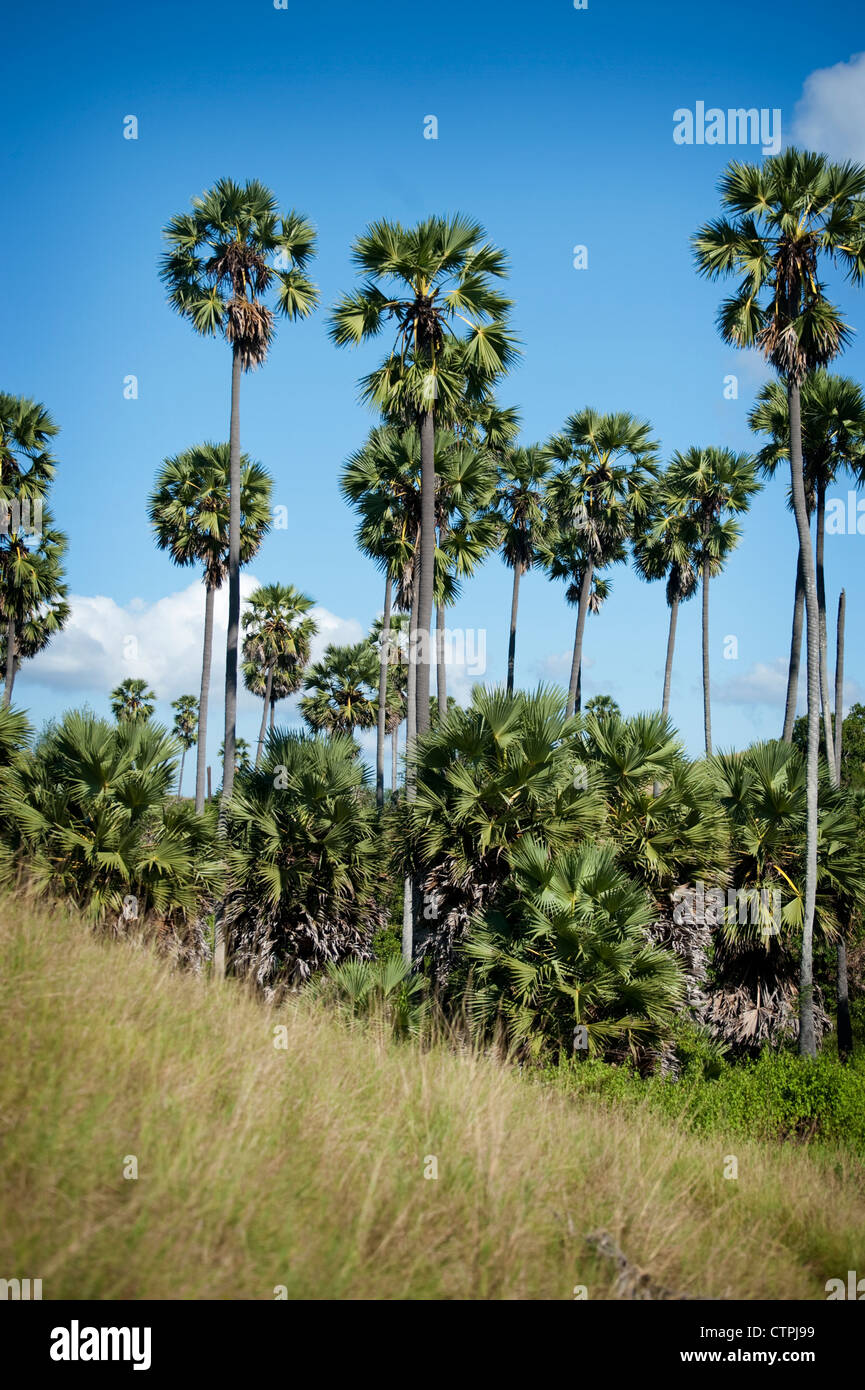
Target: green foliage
x=382 y=990
x=776 y=1096
x=302 y=856
x=567 y=947
x=89 y=820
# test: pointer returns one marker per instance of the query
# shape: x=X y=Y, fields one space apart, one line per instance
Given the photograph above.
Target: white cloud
x=830 y=115
x=761 y=684
x=105 y=642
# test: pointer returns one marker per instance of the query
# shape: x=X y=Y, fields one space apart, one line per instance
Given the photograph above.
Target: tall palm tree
x=278 y=634
x=833 y=440
x=27 y=465
x=667 y=547
x=132 y=701
x=394 y=638
x=189 y=512
x=786 y=218
x=596 y=501
x=224 y=259
x=522 y=481
x=342 y=689
x=711 y=487
x=185 y=729
x=33 y=593
x=434 y=281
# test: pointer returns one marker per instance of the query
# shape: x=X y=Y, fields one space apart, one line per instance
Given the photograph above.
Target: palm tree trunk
x=382 y=693
x=441 y=664
x=10 y=662
x=272 y=714
x=512 y=640
x=671 y=647
x=707 y=693
x=807 y=1038
x=427 y=568
x=839 y=683
x=263 y=730
x=180 y=778
x=408 y=896
x=201 y=758
x=233 y=637
x=795 y=653
x=574 y=686
x=824 y=642
x=394 y=759
x=844 y=1025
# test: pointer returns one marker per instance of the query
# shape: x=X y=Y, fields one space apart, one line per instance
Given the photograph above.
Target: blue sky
x=555 y=129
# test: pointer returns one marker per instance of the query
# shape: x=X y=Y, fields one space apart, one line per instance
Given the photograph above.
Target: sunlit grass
x=261 y=1167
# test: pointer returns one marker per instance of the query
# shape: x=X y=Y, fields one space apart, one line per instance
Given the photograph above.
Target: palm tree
x=222 y=259
x=189 y=511
x=710 y=487
x=523 y=475
x=132 y=701
x=29 y=575
x=241 y=755
x=597 y=500
x=451 y=343
x=833 y=439
x=278 y=634
x=341 y=690
x=667 y=547
x=32 y=594
x=185 y=729
x=603 y=707
x=788 y=215
x=394 y=638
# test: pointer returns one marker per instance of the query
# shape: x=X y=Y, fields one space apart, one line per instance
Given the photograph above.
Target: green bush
x=777 y=1096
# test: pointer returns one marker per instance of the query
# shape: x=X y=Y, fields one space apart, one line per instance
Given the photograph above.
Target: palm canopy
x=784 y=216
x=278 y=637
x=667 y=545
x=435 y=284
x=342 y=689
x=711 y=487
x=833 y=429
x=132 y=701
x=520 y=503
x=26 y=462
x=382 y=480
x=604 y=483
x=228 y=254
x=189 y=505
x=185 y=727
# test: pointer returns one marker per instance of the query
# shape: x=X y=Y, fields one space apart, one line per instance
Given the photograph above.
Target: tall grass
x=303 y=1167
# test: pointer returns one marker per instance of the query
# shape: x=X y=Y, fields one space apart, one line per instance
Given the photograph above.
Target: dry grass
x=304 y=1167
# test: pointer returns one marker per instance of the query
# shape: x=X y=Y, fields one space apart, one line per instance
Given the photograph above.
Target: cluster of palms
x=440 y=484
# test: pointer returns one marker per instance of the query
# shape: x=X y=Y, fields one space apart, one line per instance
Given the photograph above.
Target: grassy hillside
x=304 y=1167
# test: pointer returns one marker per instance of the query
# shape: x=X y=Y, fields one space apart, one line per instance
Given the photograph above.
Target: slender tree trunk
x=671 y=647
x=707 y=688
x=394 y=760
x=408 y=896
x=10 y=662
x=575 y=684
x=272 y=714
x=512 y=640
x=824 y=641
x=263 y=730
x=795 y=652
x=839 y=683
x=384 y=654
x=845 y=1027
x=180 y=778
x=807 y=1038
x=427 y=569
x=233 y=638
x=201 y=756
x=441 y=663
